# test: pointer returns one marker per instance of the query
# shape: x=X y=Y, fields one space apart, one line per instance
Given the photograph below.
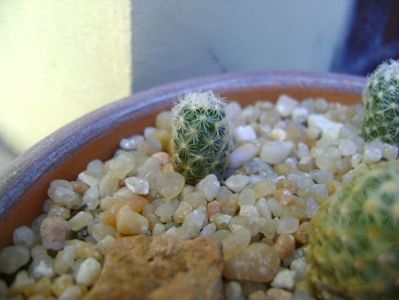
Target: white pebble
x=311 y=207
x=276 y=152
x=80 y=220
x=249 y=211
x=233 y=110
x=42 y=267
x=209 y=187
x=237 y=182
x=347 y=147
x=138 y=185
x=88 y=272
x=263 y=208
x=245 y=133
x=284 y=279
x=88 y=179
x=300 y=114
x=373 y=152
x=158 y=229
x=278 y=134
x=91 y=198
x=71 y=293
x=164 y=212
x=330 y=129
x=302 y=150
x=242 y=154
x=131 y=143
x=148 y=131
x=390 y=152
x=287 y=225
x=64 y=259
x=64 y=195
x=285 y=105
x=208 y=230
x=24 y=236
x=12 y=258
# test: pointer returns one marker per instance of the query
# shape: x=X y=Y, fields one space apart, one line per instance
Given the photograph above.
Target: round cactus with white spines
x=381 y=102
x=200 y=136
x=354 y=241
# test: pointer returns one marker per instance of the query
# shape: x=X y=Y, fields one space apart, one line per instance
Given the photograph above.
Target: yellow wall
x=58 y=60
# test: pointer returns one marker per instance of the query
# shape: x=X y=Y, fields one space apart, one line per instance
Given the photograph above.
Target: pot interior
x=28 y=206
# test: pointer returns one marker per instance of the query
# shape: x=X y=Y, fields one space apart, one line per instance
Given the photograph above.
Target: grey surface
x=182 y=39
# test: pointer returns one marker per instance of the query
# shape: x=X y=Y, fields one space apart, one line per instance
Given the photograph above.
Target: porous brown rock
x=142 y=267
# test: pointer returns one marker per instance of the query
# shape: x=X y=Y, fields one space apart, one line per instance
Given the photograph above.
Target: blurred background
x=61 y=59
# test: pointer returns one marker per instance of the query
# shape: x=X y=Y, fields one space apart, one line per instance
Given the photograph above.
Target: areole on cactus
x=200 y=136
x=353 y=248
x=381 y=103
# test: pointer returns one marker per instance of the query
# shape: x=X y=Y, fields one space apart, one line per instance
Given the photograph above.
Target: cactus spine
x=381 y=101
x=200 y=136
x=354 y=240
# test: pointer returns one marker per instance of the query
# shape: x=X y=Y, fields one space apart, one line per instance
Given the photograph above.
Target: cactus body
x=200 y=136
x=354 y=240
x=381 y=101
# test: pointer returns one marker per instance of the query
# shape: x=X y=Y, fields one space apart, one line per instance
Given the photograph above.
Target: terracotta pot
x=65 y=153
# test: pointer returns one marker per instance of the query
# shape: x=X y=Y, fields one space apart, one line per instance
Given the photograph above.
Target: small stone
x=71 y=293
x=59 y=211
x=263 y=208
x=221 y=221
x=330 y=129
x=80 y=220
x=233 y=291
x=88 y=179
x=105 y=244
x=276 y=152
x=287 y=225
x=195 y=199
x=285 y=105
x=181 y=212
x=61 y=283
x=264 y=188
x=259 y=167
x=208 y=230
x=42 y=267
x=300 y=114
x=54 y=231
x=244 y=133
x=164 y=212
x=213 y=208
x=12 y=258
x=163 y=157
x=268 y=227
x=131 y=223
x=258 y=262
x=109 y=184
x=347 y=147
x=390 y=152
x=284 y=279
x=237 y=182
x=247 y=197
x=92 y=198
x=284 y=246
x=158 y=229
x=209 y=187
x=278 y=134
x=62 y=193
x=373 y=151
x=233 y=110
x=170 y=184
x=24 y=236
x=121 y=165
x=88 y=272
x=249 y=211
x=195 y=221
x=99 y=231
x=131 y=143
x=148 y=131
x=64 y=259
x=164 y=120
x=235 y=242
x=302 y=234
x=278 y=294
x=85 y=250
x=242 y=154
x=356 y=159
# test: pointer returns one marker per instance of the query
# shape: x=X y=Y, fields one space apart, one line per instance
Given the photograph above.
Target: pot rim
x=54 y=149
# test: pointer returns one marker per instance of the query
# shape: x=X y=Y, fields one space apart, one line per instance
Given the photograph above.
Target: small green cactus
x=200 y=136
x=381 y=101
x=353 y=248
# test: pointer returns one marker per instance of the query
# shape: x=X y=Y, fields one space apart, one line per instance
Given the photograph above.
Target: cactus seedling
x=354 y=243
x=200 y=136
x=381 y=101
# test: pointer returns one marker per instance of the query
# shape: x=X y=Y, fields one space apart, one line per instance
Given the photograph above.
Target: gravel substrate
x=286 y=159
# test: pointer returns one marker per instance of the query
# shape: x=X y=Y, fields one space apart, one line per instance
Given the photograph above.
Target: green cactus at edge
x=200 y=136
x=353 y=248
x=381 y=102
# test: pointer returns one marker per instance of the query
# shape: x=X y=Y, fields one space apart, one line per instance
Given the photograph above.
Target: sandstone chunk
x=161 y=268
